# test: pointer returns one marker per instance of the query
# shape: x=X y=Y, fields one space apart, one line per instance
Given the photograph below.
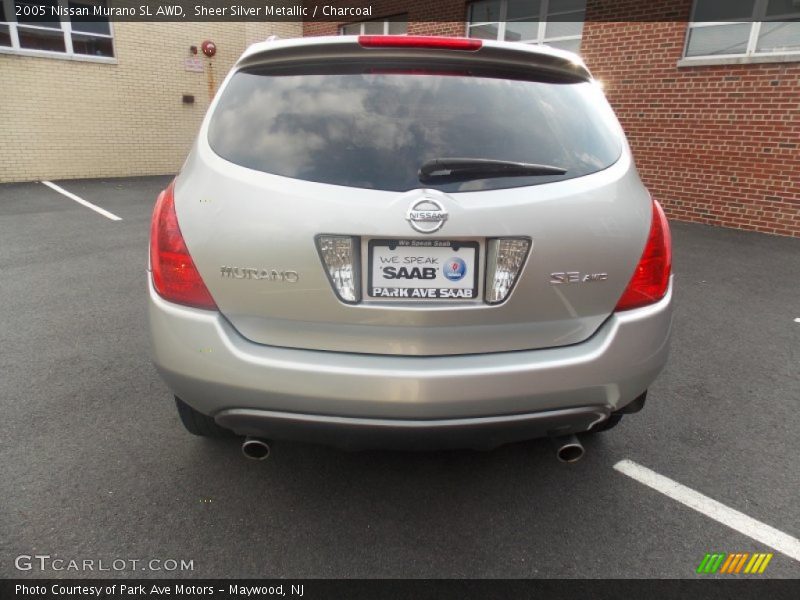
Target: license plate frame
x=452 y=290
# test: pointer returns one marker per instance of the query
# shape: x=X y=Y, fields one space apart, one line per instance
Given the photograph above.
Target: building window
x=57 y=28
x=397 y=25
x=557 y=23
x=743 y=28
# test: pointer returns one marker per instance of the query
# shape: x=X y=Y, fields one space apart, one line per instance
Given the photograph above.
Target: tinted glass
x=563 y=28
x=41 y=39
x=37 y=12
x=728 y=10
x=718 y=39
x=521 y=30
x=90 y=24
x=556 y=7
x=91 y=45
x=519 y=9
x=783 y=8
x=779 y=36
x=486 y=32
x=373 y=27
x=376 y=130
x=483 y=11
x=398 y=27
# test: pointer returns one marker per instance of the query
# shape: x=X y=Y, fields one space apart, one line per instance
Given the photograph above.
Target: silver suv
x=410 y=242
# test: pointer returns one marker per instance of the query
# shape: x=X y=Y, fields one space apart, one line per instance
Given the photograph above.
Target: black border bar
x=406 y=589
x=339 y=11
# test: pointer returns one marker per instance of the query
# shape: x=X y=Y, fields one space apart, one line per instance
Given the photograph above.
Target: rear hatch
x=305 y=209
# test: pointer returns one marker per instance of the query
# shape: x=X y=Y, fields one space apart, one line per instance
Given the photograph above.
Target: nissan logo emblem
x=426 y=215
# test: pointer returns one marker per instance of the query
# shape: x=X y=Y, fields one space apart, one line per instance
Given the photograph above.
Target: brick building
x=707 y=91
x=109 y=99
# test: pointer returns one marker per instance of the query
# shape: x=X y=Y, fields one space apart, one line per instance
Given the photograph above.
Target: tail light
x=419 y=41
x=650 y=280
x=174 y=275
x=339 y=253
x=505 y=259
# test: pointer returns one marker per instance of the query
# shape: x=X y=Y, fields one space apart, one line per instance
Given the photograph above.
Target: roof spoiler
x=518 y=57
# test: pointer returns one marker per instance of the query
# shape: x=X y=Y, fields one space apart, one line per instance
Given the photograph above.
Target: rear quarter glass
x=372 y=127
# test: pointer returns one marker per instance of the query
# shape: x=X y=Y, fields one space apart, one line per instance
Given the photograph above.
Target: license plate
x=423 y=270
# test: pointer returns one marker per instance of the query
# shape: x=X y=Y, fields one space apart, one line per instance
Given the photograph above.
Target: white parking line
x=761 y=532
x=80 y=200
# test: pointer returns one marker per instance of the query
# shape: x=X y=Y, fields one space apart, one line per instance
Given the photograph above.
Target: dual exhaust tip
x=568 y=448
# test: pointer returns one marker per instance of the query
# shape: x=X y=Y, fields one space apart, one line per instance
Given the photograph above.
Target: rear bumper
x=404 y=434
x=256 y=389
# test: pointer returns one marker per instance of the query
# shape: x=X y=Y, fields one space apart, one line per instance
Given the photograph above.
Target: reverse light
x=650 y=280
x=419 y=41
x=506 y=256
x=339 y=254
x=174 y=275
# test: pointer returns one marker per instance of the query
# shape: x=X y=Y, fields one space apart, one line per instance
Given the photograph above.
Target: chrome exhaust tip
x=255 y=448
x=568 y=448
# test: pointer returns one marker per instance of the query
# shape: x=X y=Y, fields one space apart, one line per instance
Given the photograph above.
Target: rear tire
x=611 y=422
x=197 y=423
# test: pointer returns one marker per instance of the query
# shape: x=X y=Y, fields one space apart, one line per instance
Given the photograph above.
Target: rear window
x=374 y=128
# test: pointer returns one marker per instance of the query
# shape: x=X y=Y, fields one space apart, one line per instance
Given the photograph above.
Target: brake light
x=174 y=275
x=650 y=280
x=439 y=72
x=419 y=41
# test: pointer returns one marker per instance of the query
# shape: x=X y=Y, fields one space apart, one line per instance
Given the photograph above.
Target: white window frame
x=363 y=23
x=66 y=30
x=540 y=38
x=751 y=53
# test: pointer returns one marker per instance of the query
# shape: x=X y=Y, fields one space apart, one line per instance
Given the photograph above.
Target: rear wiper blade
x=442 y=170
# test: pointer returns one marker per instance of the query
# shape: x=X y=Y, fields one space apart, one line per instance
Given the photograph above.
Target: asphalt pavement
x=94 y=464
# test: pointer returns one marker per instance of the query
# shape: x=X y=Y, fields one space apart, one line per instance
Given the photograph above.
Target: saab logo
x=734 y=564
x=455 y=269
x=406 y=273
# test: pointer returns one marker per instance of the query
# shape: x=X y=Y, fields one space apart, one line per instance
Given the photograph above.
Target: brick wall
x=67 y=119
x=715 y=144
